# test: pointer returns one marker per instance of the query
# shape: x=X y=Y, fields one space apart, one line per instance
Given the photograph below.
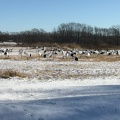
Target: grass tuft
x=11 y=73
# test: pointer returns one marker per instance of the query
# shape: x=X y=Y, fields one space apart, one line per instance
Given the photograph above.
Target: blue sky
x=21 y=15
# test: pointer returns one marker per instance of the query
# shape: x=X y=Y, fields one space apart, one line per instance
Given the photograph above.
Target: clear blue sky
x=21 y=15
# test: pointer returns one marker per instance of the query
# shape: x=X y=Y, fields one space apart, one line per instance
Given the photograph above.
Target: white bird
x=47 y=54
x=27 y=55
x=88 y=54
x=21 y=52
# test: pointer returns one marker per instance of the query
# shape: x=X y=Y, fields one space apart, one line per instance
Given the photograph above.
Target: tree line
x=81 y=34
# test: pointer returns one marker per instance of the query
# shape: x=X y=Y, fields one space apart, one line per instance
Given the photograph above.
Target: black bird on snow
x=5 y=53
x=76 y=58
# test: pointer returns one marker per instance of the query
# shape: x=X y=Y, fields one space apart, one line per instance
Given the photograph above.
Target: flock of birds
x=53 y=52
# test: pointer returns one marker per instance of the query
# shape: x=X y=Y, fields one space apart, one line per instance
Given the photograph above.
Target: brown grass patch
x=11 y=73
x=85 y=76
x=100 y=58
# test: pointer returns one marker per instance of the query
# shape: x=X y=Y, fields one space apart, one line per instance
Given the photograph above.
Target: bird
x=76 y=58
x=27 y=55
x=5 y=53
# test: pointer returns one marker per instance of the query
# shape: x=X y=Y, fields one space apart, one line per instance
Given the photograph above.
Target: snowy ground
x=60 y=90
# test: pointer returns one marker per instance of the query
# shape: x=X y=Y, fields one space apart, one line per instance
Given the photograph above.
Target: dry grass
x=60 y=74
x=85 y=76
x=18 y=57
x=11 y=73
x=100 y=58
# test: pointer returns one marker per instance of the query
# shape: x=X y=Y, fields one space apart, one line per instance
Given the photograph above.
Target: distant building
x=8 y=43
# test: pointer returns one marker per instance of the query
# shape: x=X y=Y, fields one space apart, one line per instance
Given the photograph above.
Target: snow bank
x=60 y=91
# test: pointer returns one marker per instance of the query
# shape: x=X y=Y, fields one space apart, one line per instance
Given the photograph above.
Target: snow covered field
x=60 y=90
